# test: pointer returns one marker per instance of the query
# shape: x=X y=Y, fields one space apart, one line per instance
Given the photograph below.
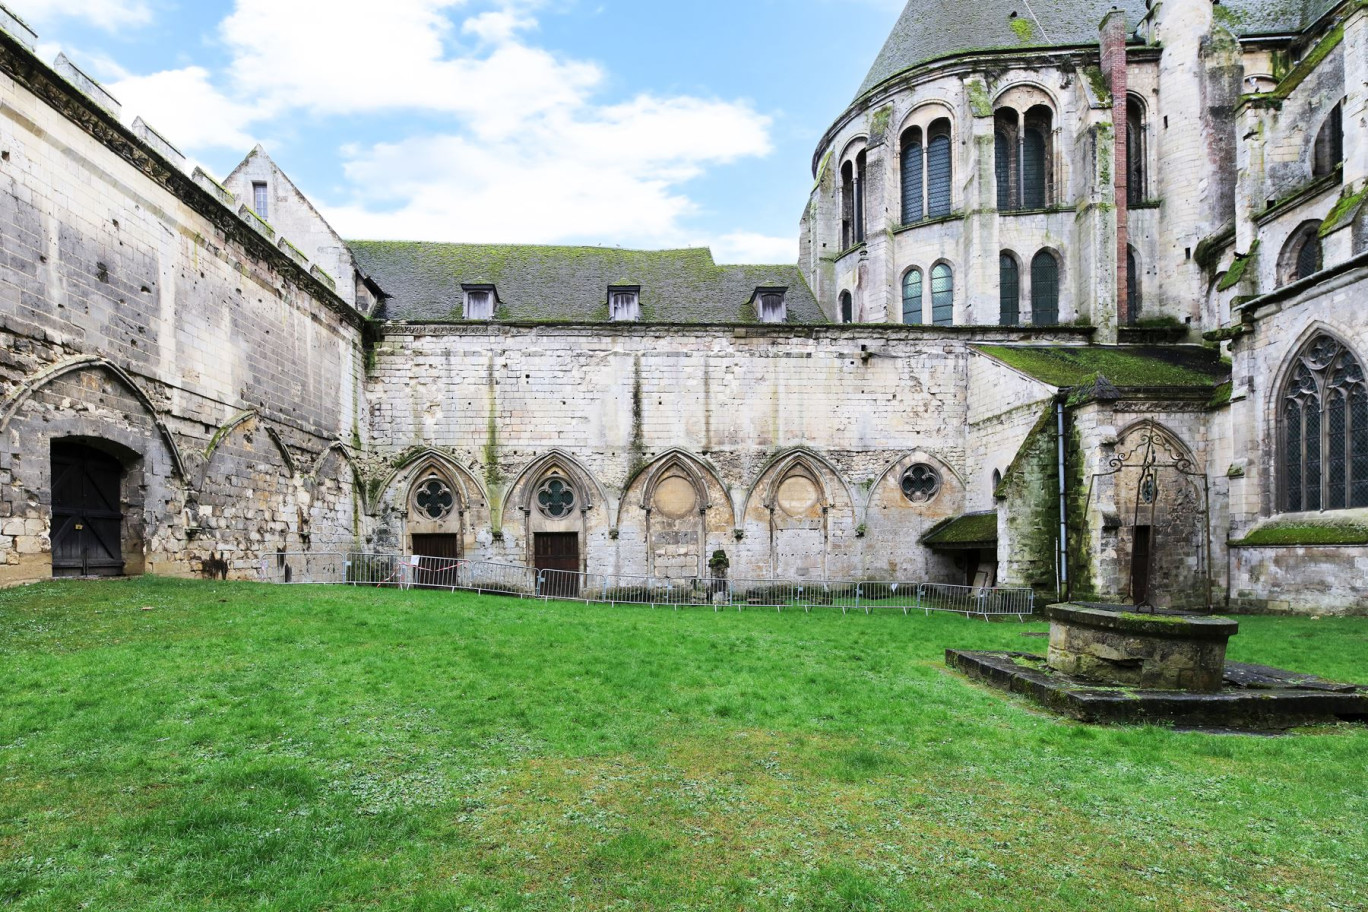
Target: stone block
x=1158 y=652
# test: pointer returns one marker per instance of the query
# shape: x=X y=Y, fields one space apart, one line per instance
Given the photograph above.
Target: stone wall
x=1317 y=580
x=785 y=447
x=140 y=315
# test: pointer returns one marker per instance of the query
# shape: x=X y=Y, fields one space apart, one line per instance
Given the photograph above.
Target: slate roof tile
x=423 y=282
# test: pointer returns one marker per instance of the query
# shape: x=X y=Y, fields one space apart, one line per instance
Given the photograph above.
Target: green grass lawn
x=246 y=747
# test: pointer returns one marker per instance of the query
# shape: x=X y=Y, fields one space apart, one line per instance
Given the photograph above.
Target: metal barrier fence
x=409 y=572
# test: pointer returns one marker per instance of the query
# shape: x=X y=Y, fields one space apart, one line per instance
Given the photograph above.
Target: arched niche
x=408 y=518
x=334 y=495
x=1161 y=498
x=249 y=498
x=559 y=507
x=915 y=492
x=798 y=516
x=675 y=514
x=90 y=402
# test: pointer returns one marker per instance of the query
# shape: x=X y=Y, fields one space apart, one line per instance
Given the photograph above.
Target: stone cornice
x=44 y=83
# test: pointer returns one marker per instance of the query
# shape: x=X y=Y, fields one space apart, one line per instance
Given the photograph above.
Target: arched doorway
x=87 y=511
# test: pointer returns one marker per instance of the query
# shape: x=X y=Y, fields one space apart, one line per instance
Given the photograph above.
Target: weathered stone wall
x=1317 y=580
x=793 y=441
x=1262 y=360
x=1077 y=229
x=138 y=313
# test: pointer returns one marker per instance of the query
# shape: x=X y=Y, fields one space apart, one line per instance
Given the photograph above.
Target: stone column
x=1114 y=70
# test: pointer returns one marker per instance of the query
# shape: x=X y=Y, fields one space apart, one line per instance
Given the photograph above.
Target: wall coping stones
x=1168 y=626
x=158 y=142
x=18 y=29
x=258 y=224
x=214 y=188
x=87 y=86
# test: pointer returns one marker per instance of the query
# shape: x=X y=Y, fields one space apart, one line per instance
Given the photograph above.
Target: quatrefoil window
x=920 y=483
x=556 y=498
x=435 y=499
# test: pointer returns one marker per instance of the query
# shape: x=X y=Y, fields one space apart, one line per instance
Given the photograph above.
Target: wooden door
x=439 y=559
x=558 y=560
x=87 y=519
x=1140 y=565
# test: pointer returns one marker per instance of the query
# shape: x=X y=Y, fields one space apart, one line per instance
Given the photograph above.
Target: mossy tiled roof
x=423 y=282
x=1138 y=366
x=931 y=30
x=971 y=530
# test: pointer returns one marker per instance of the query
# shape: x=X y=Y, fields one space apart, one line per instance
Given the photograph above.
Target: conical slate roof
x=930 y=30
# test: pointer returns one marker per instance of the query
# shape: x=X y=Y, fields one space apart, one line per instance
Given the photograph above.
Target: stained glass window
x=1009 y=290
x=1044 y=290
x=939 y=170
x=942 y=295
x=1325 y=430
x=913 y=161
x=912 y=298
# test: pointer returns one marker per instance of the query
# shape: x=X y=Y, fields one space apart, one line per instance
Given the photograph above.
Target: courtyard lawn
x=246 y=747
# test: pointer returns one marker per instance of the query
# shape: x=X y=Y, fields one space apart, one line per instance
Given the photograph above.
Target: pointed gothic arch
x=674 y=513
x=470 y=489
x=226 y=432
x=1322 y=420
x=14 y=403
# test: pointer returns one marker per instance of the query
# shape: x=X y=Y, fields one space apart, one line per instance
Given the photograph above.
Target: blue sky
x=637 y=123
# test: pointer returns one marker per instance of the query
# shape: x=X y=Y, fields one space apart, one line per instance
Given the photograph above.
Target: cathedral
x=1075 y=310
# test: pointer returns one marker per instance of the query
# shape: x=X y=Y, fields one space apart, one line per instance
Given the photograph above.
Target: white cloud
x=106 y=14
x=608 y=173
x=518 y=146
x=749 y=247
x=184 y=106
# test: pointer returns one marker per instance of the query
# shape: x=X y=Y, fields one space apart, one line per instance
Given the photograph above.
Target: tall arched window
x=939 y=170
x=1006 y=138
x=1325 y=430
x=912 y=298
x=1009 y=290
x=1132 y=285
x=942 y=295
x=1002 y=162
x=1301 y=255
x=1136 y=191
x=861 y=162
x=847 y=205
x=847 y=308
x=913 y=192
x=1037 y=166
x=1045 y=289
x=1328 y=153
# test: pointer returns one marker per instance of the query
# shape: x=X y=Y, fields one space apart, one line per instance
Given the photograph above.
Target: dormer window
x=261 y=201
x=624 y=303
x=480 y=301
x=771 y=305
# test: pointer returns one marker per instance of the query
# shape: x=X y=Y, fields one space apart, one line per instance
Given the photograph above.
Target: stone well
x=1149 y=651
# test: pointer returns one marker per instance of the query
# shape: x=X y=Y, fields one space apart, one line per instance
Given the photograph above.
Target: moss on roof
x=931 y=30
x=1124 y=366
x=965 y=531
x=423 y=282
x=1321 y=530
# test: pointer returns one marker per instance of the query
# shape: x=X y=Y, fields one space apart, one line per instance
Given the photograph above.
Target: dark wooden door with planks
x=558 y=556
x=1140 y=565
x=87 y=517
